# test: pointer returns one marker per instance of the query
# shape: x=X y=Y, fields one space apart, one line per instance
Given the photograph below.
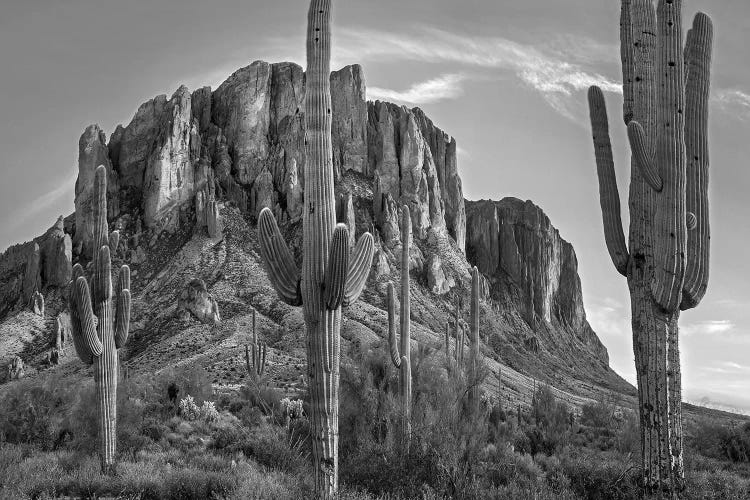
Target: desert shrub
x=262 y=397
x=208 y=412
x=36 y=414
x=187 y=408
x=728 y=442
x=551 y=427
x=596 y=475
x=716 y=485
x=269 y=445
x=628 y=437
x=599 y=414
x=513 y=468
x=198 y=484
x=448 y=436
x=174 y=384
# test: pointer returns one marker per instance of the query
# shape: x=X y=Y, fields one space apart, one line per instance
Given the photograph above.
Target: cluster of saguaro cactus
x=401 y=358
x=330 y=278
x=255 y=355
x=666 y=95
x=100 y=321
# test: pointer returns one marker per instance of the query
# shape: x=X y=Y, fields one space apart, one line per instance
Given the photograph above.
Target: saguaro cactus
x=474 y=339
x=255 y=356
x=402 y=357
x=460 y=332
x=331 y=278
x=98 y=344
x=665 y=109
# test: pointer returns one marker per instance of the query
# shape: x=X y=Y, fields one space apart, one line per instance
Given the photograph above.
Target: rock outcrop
x=515 y=245
x=155 y=156
x=196 y=300
x=32 y=281
x=57 y=256
x=349 y=126
x=92 y=152
x=415 y=163
x=249 y=136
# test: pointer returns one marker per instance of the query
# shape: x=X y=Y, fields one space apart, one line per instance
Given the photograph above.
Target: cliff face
x=184 y=162
x=514 y=244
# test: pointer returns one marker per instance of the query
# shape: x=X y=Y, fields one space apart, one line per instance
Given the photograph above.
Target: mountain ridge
x=239 y=149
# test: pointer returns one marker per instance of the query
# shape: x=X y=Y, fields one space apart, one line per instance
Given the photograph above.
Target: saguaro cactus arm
x=670 y=242
x=609 y=196
x=82 y=322
x=698 y=52
x=122 y=311
x=359 y=268
x=337 y=268
x=279 y=260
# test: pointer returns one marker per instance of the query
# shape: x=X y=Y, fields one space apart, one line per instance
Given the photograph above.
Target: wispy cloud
x=546 y=71
x=734 y=102
x=712 y=327
x=41 y=204
x=443 y=87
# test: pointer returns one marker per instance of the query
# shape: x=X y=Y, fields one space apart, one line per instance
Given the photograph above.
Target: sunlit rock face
x=250 y=133
x=155 y=156
x=515 y=245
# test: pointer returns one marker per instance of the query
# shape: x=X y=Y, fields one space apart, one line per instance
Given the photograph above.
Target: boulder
x=436 y=279
x=196 y=300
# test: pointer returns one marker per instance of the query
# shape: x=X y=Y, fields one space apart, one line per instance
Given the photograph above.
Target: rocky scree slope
x=189 y=175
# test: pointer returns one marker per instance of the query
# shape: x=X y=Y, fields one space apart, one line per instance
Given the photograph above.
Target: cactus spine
x=330 y=278
x=402 y=357
x=666 y=264
x=98 y=344
x=474 y=339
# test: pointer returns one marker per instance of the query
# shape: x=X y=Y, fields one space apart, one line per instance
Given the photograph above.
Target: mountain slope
x=240 y=149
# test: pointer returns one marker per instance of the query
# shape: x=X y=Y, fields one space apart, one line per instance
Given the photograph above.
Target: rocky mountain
x=190 y=173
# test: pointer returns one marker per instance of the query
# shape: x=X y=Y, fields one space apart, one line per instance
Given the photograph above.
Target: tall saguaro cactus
x=330 y=278
x=98 y=330
x=402 y=357
x=459 y=332
x=474 y=339
x=255 y=355
x=666 y=94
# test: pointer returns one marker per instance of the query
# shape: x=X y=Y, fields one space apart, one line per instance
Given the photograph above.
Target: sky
x=507 y=79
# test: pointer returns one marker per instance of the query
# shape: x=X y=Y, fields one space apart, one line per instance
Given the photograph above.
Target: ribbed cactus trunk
x=459 y=332
x=474 y=340
x=98 y=345
x=319 y=220
x=331 y=277
x=401 y=355
x=665 y=109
